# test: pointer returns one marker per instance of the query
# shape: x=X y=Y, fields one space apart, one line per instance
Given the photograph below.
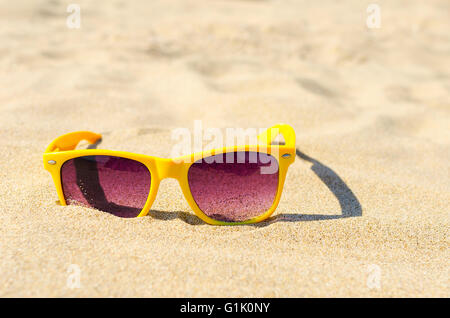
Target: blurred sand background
x=370 y=107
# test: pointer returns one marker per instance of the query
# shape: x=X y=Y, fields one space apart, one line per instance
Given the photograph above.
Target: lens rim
x=102 y=193
x=247 y=153
x=282 y=169
x=60 y=158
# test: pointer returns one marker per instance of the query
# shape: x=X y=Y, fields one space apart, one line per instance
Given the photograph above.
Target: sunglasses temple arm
x=70 y=141
x=268 y=136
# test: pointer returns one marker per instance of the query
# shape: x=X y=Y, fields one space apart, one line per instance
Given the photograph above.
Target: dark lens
x=235 y=186
x=115 y=185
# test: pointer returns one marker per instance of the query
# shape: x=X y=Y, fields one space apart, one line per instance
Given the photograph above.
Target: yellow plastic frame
x=63 y=149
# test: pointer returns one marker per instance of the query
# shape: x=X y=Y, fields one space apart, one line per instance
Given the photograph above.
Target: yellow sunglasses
x=231 y=185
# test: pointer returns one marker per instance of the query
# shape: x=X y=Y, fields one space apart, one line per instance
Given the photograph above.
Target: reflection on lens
x=234 y=190
x=115 y=185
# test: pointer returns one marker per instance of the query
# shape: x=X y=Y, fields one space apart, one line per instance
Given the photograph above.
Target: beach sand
x=365 y=208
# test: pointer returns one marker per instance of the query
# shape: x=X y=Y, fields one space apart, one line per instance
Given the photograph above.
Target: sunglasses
x=232 y=185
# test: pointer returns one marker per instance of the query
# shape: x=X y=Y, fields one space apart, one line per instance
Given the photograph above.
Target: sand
x=365 y=209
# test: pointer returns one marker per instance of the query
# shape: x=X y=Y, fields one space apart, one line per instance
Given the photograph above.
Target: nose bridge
x=167 y=168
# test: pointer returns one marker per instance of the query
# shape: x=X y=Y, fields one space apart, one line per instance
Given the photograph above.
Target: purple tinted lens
x=234 y=187
x=115 y=185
